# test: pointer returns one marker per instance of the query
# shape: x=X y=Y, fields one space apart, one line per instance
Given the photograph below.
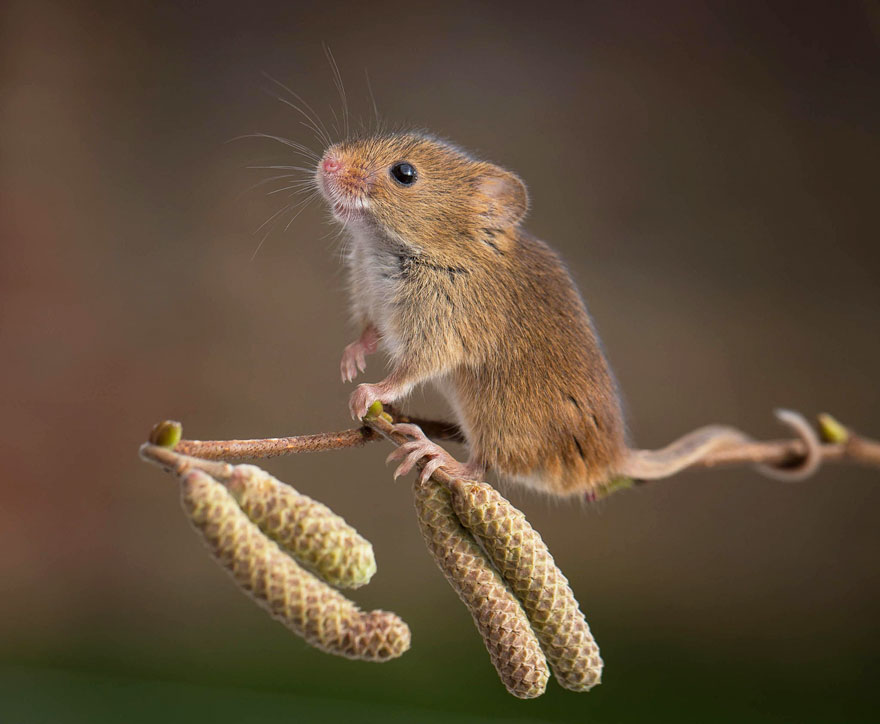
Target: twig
x=840 y=445
x=787 y=453
x=275 y=446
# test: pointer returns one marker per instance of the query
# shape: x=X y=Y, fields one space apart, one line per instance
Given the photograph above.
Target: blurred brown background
x=709 y=171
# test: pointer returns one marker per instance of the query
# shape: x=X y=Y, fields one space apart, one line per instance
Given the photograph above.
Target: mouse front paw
x=361 y=399
x=354 y=359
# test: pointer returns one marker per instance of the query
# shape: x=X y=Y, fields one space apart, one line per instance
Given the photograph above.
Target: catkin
x=308 y=530
x=306 y=605
x=522 y=557
x=501 y=621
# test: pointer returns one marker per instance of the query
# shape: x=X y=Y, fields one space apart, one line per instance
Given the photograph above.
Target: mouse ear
x=503 y=195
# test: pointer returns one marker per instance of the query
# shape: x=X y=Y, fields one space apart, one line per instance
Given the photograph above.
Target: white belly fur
x=373 y=271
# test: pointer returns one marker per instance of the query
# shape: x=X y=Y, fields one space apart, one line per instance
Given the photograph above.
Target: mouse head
x=421 y=192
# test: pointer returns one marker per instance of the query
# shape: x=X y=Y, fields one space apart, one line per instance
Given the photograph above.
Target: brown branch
x=776 y=453
x=839 y=445
x=275 y=446
x=863 y=450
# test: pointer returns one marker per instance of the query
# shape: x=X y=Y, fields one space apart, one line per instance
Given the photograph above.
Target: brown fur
x=467 y=299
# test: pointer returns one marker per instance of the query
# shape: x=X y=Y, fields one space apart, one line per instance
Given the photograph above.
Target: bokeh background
x=709 y=171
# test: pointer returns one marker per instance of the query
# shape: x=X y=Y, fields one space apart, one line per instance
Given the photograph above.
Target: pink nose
x=331 y=165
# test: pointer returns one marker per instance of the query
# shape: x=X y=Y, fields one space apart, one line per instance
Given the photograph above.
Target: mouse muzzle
x=345 y=185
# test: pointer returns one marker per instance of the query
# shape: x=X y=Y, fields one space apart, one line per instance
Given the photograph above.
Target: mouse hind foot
x=421 y=447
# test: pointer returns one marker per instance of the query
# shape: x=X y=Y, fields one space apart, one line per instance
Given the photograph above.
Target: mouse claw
x=354 y=359
x=346 y=370
x=411 y=429
x=429 y=469
x=412 y=452
x=408 y=464
x=361 y=399
x=396 y=454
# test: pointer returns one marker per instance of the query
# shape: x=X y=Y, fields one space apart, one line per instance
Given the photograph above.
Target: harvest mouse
x=445 y=278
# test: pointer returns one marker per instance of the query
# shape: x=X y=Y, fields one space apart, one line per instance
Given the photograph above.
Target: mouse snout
x=344 y=184
x=331 y=165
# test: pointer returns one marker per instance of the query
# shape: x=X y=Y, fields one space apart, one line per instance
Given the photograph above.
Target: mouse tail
x=693 y=447
x=680 y=454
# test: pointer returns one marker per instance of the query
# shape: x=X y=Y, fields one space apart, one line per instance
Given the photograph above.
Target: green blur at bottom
x=439 y=681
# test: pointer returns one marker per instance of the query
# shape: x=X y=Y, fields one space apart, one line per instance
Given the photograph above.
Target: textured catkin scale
x=312 y=533
x=309 y=607
x=518 y=551
x=501 y=621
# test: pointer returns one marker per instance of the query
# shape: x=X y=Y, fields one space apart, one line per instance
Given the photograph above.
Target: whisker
x=299 y=186
x=372 y=98
x=264 y=182
x=257 y=230
x=303 y=150
x=320 y=139
x=266 y=235
x=304 y=205
x=306 y=169
x=336 y=126
x=338 y=232
x=340 y=87
x=314 y=118
x=284 y=209
x=319 y=135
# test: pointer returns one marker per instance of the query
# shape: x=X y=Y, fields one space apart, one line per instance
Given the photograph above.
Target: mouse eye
x=404 y=173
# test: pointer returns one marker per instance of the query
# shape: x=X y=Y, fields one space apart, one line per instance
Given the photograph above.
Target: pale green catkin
x=501 y=621
x=307 y=606
x=308 y=530
x=522 y=557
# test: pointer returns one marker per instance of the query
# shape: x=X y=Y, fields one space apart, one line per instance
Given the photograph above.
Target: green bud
x=830 y=430
x=166 y=433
